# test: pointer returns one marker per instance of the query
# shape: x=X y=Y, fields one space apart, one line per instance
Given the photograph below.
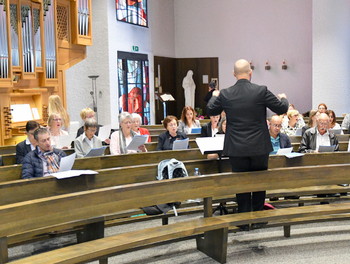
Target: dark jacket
x=284 y=141
x=308 y=141
x=165 y=140
x=22 y=149
x=206 y=130
x=33 y=165
x=245 y=105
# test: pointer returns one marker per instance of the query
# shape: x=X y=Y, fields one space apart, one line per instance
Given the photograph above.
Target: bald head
x=275 y=125
x=323 y=123
x=242 y=69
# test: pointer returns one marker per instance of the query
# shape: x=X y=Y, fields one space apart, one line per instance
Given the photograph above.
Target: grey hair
x=123 y=116
x=90 y=122
x=134 y=115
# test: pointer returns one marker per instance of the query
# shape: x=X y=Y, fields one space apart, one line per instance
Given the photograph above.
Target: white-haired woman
x=135 y=126
x=121 y=139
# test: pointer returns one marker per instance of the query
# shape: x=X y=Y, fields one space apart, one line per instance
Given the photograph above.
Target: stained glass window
x=132 y=11
x=133 y=83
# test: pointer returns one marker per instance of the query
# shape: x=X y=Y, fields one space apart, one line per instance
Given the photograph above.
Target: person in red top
x=135 y=126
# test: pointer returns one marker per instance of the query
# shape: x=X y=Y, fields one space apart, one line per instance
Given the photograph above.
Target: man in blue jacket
x=44 y=160
x=278 y=140
x=247 y=140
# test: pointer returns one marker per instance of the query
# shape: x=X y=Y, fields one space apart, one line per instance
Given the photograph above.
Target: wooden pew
x=154 y=138
x=153 y=145
x=95 y=163
x=49 y=186
x=343 y=146
x=341 y=138
x=95 y=205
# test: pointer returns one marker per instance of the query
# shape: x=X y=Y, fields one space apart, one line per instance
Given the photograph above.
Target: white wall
x=331 y=54
x=255 y=30
x=109 y=37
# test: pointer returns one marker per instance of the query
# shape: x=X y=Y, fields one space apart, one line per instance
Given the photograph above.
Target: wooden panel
x=167 y=75
x=200 y=67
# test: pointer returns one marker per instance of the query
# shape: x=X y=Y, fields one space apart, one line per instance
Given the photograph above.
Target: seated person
x=211 y=128
x=318 y=136
x=86 y=113
x=26 y=146
x=293 y=123
x=166 y=139
x=346 y=123
x=88 y=140
x=211 y=89
x=285 y=117
x=55 y=128
x=135 y=126
x=188 y=120
x=121 y=138
x=278 y=140
x=221 y=130
x=44 y=160
x=333 y=124
x=312 y=121
x=322 y=108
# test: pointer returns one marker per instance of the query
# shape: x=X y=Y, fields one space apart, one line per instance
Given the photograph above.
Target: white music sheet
x=137 y=141
x=210 y=143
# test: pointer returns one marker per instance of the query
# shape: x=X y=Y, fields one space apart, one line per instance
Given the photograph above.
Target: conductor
x=247 y=140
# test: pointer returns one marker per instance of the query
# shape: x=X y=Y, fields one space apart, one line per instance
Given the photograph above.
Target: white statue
x=189 y=87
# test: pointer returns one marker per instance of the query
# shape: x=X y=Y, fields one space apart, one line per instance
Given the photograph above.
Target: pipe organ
x=39 y=41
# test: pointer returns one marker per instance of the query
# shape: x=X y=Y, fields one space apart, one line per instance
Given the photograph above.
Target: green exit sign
x=135 y=48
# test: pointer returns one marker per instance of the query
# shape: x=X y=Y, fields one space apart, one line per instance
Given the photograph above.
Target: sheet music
x=336 y=131
x=167 y=97
x=73 y=128
x=67 y=162
x=137 y=140
x=95 y=152
x=180 y=144
x=326 y=148
x=21 y=112
x=298 y=132
x=72 y=173
x=283 y=151
x=196 y=130
x=104 y=132
x=294 y=155
x=210 y=143
x=66 y=140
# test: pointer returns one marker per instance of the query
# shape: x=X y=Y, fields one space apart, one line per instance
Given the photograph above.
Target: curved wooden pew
x=94 y=205
x=13 y=172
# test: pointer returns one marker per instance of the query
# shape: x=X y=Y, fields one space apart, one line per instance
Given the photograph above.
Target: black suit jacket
x=245 y=107
x=206 y=130
x=22 y=149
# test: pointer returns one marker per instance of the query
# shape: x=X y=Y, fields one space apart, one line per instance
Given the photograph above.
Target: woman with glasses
x=56 y=132
x=88 y=140
x=121 y=138
x=293 y=124
x=166 y=139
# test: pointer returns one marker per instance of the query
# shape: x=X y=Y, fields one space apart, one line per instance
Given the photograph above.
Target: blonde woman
x=293 y=123
x=56 y=106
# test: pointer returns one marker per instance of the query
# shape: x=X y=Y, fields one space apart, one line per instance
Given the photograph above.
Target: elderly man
x=247 y=140
x=318 y=136
x=278 y=140
x=29 y=144
x=44 y=160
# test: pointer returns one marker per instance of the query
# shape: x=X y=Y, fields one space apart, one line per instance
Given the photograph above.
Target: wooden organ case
x=39 y=41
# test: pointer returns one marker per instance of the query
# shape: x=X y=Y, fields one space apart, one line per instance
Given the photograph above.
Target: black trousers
x=254 y=201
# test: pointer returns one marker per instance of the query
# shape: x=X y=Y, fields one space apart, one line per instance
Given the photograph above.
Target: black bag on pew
x=167 y=169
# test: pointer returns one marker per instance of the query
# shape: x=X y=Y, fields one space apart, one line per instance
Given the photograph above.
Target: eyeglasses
x=277 y=126
x=323 y=123
x=57 y=119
